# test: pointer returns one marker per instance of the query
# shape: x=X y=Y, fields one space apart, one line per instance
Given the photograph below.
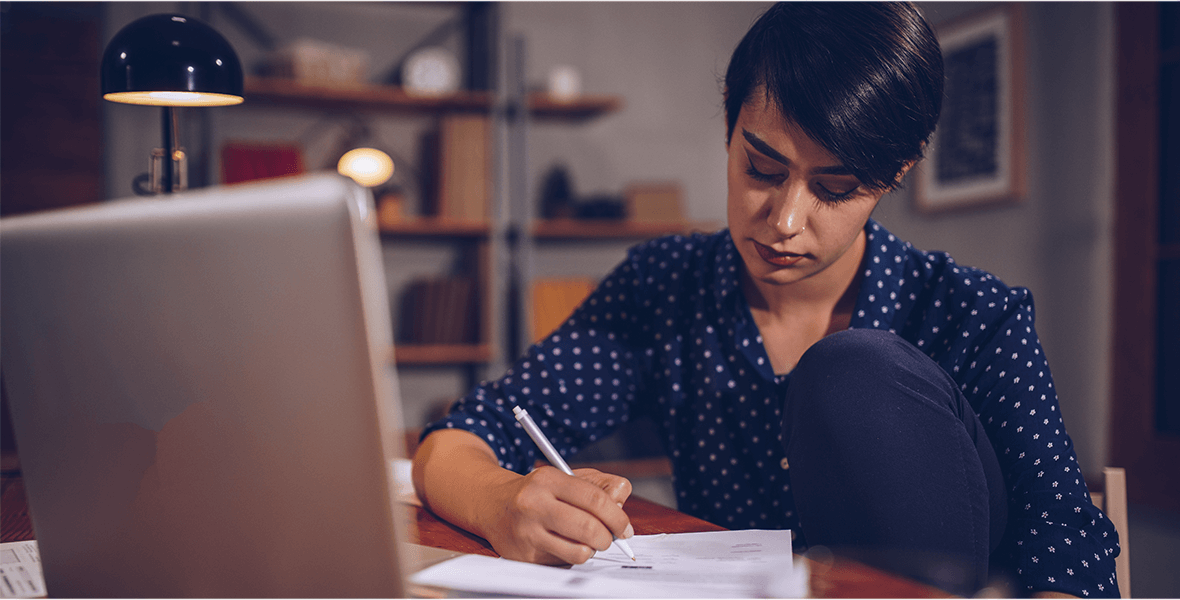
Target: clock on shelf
x=431 y=71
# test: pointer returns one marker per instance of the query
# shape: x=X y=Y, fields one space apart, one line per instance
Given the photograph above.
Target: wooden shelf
x=584 y=107
x=571 y=229
x=441 y=354
x=434 y=227
x=369 y=97
x=395 y=99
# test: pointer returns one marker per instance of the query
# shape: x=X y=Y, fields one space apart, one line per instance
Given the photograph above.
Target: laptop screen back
x=203 y=393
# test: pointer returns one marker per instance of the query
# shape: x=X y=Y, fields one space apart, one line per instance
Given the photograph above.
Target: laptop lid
x=203 y=393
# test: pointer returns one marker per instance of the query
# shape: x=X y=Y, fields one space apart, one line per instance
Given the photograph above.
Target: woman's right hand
x=544 y=517
x=549 y=517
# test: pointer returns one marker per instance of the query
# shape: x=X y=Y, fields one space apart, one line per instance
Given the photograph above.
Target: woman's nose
x=788 y=213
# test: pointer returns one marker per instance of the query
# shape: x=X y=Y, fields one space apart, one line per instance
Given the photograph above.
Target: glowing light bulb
x=173 y=98
x=367 y=166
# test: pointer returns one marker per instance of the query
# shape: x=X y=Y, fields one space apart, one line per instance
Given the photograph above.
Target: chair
x=1113 y=501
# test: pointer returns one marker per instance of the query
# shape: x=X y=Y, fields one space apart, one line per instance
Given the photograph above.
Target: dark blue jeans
x=889 y=463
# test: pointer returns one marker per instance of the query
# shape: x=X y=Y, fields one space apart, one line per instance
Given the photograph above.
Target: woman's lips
x=780 y=259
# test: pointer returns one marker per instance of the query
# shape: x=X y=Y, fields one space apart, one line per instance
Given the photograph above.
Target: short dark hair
x=864 y=80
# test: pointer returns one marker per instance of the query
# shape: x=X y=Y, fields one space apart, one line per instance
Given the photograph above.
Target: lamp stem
x=166 y=127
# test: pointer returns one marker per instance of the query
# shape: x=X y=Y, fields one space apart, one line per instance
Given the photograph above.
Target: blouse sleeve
x=578 y=383
x=1056 y=538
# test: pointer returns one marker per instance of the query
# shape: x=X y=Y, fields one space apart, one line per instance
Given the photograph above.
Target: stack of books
x=439 y=310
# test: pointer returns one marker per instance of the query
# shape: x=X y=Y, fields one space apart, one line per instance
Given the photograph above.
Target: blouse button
x=783 y=463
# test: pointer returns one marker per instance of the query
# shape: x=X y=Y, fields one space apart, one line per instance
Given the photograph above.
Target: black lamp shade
x=171 y=60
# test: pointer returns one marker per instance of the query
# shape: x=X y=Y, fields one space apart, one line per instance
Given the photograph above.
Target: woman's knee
x=845 y=368
x=857 y=365
x=858 y=352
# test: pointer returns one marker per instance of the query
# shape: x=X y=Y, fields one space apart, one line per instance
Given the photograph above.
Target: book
x=439 y=310
x=554 y=300
x=464 y=168
x=655 y=202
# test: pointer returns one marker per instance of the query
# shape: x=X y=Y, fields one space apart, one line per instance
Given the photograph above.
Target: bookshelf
x=535 y=241
x=583 y=108
x=472 y=238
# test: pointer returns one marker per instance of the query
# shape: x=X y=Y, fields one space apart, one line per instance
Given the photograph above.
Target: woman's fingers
x=553 y=517
x=618 y=488
x=550 y=548
x=577 y=524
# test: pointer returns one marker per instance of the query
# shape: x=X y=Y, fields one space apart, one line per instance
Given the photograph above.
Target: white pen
x=555 y=459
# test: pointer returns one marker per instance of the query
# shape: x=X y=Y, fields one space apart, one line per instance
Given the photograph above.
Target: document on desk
x=20 y=570
x=717 y=564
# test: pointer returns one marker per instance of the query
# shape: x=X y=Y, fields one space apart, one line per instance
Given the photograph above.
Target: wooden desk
x=842 y=578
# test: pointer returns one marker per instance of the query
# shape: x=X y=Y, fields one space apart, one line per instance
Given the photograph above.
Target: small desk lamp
x=170 y=60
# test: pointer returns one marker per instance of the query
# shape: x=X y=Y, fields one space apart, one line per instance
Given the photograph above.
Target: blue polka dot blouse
x=668 y=334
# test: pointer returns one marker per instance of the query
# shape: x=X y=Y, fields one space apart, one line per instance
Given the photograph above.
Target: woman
x=807 y=369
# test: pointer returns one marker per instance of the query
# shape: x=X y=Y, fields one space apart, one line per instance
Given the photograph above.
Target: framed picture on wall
x=977 y=155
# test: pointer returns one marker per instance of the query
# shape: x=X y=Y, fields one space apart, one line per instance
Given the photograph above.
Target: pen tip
x=632 y=558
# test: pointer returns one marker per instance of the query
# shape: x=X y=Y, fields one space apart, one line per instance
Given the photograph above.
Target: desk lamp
x=169 y=61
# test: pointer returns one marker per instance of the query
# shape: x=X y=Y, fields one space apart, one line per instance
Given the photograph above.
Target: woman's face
x=794 y=210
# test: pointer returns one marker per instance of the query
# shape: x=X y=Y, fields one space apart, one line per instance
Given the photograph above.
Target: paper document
x=718 y=564
x=20 y=570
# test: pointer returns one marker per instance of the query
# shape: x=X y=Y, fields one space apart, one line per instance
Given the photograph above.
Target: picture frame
x=976 y=157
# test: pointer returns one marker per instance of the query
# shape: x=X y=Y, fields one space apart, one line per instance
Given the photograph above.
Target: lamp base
x=155 y=181
x=159 y=180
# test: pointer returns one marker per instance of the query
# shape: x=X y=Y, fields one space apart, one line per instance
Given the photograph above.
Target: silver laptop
x=203 y=393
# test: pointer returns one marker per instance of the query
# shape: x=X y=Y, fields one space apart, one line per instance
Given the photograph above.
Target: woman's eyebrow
x=777 y=156
x=765 y=148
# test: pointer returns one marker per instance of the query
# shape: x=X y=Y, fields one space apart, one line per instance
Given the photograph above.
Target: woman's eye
x=761 y=176
x=835 y=197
